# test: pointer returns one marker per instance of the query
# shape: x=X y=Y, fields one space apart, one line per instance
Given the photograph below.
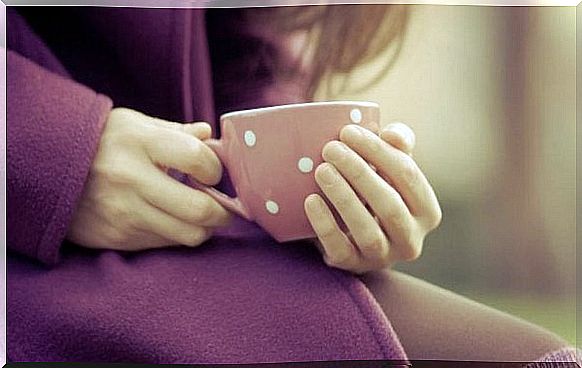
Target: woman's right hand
x=130 y=203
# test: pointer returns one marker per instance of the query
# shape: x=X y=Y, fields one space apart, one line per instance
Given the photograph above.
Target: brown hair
x=342 y=36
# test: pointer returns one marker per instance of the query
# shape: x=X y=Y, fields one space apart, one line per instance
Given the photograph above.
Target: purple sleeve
x=53 y=128
x=563 y=358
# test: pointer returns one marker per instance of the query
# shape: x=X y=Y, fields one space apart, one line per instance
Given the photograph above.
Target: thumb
x=400 y=136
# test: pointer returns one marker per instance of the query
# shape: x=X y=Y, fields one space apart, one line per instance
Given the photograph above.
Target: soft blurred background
x=491 y=95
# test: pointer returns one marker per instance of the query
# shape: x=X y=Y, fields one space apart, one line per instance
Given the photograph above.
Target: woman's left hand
x=388 y=210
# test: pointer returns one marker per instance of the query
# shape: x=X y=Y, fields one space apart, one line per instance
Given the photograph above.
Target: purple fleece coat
x=239 y=298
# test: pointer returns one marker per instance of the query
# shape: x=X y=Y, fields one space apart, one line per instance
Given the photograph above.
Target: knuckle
x=202 y=164
x=392 y=216
x=436 y=218
x=431 y=220
x=197 y=237
x=126 y=128
x=325 y=231
x=120 y=114
x=203 y=210
x=205 y=235
x=134 y=135
x=329 y=178
x=116 y=173
x=373 y=243
x=411 y=251
x=224 y=218
x=336 y=259
x=329 y=261
x=358 y=170
x=144 y=135
x=374 y=145
x=398 y=224
x=343 y=201
x=384 y=261
x=409 y=172
x=342 y=258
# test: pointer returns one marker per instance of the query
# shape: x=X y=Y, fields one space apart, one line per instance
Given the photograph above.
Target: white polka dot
x=356 y=116
x=305 y=164
x=272 y=207
x=250 y=138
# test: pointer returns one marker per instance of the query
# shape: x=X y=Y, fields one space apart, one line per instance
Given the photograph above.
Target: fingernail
x=326 y=174
x=334 y=151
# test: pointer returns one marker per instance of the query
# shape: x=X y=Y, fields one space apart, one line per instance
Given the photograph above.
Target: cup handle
x=233 y=204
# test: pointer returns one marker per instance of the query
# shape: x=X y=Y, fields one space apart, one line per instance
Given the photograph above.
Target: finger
x=201 y=130
x=398 y=168
x=384 y=201
x=143 y=241
x=181 y=201
x=370 y=239
x=337 y=249
x=184 y=152
x=173 y=230
x=400 y=136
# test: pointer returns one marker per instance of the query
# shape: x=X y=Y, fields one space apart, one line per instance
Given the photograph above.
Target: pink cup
x=271 y=154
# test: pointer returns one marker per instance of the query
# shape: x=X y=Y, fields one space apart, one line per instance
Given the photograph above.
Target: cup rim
x=294 y=105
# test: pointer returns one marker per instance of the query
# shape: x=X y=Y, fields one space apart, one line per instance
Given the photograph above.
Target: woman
x=89 y=197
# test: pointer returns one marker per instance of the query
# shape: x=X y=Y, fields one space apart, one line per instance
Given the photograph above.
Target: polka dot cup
x=271 y=154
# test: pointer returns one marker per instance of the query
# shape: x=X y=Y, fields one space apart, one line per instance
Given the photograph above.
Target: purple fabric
x=239 y=298
x=43 y=179
x=563 y=358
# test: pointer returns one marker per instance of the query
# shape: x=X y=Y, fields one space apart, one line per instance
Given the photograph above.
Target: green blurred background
x=491 y=95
